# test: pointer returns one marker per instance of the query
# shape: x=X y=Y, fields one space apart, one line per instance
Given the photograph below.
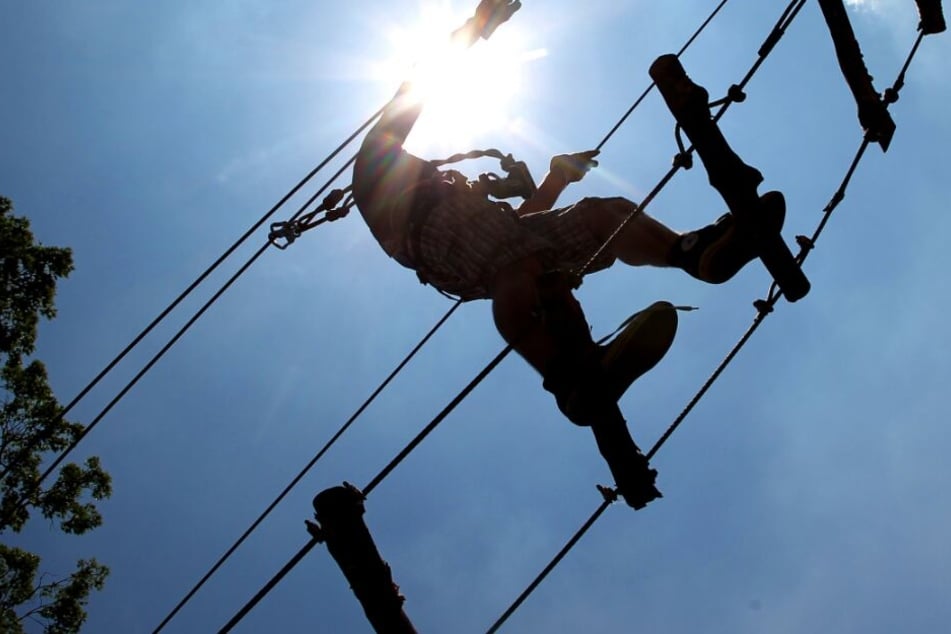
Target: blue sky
x=808 y=491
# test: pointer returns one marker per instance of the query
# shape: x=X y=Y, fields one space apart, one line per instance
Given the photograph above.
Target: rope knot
x=684 y=160
x=763 y=307
x=805 y=244
x=337 y=214
x=736 y=94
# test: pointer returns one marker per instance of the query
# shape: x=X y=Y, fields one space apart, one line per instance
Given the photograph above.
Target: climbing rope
x=647 y=91
x=178 y=335
x=763 y=307
x=183 y=295
x=376 y=481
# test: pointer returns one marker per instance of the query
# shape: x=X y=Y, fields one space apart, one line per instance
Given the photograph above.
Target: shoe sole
x=727 y=259
x=639 y=346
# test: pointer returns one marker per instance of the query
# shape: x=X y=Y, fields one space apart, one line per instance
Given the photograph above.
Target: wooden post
x=873 y=115
x=931 y=16
x=339 y=512
x=735 y=180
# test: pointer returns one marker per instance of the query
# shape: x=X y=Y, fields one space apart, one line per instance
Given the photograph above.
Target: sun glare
x=466 y=92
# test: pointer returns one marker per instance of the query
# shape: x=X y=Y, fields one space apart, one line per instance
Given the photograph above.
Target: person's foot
x=641 y=344
x=632 y=474
x=635 y=483
x=718 y=251
x=595 y=384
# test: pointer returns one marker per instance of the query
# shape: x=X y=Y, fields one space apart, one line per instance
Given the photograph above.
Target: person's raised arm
x=488 y=16
x=402 y=112
x=564 y=170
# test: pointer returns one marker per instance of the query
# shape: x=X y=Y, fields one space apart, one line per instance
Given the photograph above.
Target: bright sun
x=466 y=92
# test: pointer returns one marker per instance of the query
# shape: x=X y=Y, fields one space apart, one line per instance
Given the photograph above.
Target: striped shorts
x=467 y=239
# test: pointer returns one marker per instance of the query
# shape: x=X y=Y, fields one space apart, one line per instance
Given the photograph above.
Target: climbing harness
x=517 y=182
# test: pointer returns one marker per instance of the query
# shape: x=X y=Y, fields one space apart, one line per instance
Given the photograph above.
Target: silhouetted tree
x=32 y=428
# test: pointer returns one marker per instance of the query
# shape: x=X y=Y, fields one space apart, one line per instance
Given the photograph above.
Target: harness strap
x=518 y=180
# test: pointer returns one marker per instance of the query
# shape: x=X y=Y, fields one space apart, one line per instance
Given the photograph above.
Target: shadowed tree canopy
x=32 y=428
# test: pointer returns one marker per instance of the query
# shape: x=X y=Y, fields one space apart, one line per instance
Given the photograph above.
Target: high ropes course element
x=339 y=510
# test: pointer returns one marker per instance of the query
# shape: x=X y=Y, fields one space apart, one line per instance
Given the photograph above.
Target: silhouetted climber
x=463 y=242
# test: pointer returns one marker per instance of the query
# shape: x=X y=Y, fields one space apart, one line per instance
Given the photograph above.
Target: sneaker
x=643 y=341
x=586 y=400
x=589 y=393
x=717 y=252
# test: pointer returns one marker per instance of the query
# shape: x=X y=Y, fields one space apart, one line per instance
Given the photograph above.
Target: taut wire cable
x=303 y=472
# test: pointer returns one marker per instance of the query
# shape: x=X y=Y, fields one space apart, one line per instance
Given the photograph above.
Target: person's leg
x=559 y=345
x=717 y=252
x=537 y=314
x=643 y=241
x=714 y=253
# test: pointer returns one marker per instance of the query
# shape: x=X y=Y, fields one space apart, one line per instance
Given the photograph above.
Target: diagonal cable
x=376 y=481
x=188 y=291
x=639 y=100
x=178 y=335
x=305 y=470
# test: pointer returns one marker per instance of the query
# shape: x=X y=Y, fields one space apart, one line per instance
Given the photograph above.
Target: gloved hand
x=488 y=16
x=573 y=167
x=491 y=13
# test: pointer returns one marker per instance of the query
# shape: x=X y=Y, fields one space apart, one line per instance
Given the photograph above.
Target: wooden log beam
x=873 y=115
x=339 y=512
x=729 y=175
x=931 y=17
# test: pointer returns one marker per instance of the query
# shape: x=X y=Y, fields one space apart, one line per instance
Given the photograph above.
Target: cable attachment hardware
x=284 y=233
x=518 y=171
x=517 y=182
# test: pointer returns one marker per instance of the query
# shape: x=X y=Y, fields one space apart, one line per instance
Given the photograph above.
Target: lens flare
x=467 y=92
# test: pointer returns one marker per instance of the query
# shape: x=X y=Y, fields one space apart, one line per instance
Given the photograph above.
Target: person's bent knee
x=604 y=215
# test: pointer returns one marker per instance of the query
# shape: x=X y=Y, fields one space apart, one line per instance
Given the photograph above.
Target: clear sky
x=807 y=493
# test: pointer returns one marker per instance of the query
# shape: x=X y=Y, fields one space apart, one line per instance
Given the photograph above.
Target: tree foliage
x=33 y=429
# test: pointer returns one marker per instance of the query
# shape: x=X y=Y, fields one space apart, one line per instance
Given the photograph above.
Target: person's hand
x=573 y=167
x=488 y=16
